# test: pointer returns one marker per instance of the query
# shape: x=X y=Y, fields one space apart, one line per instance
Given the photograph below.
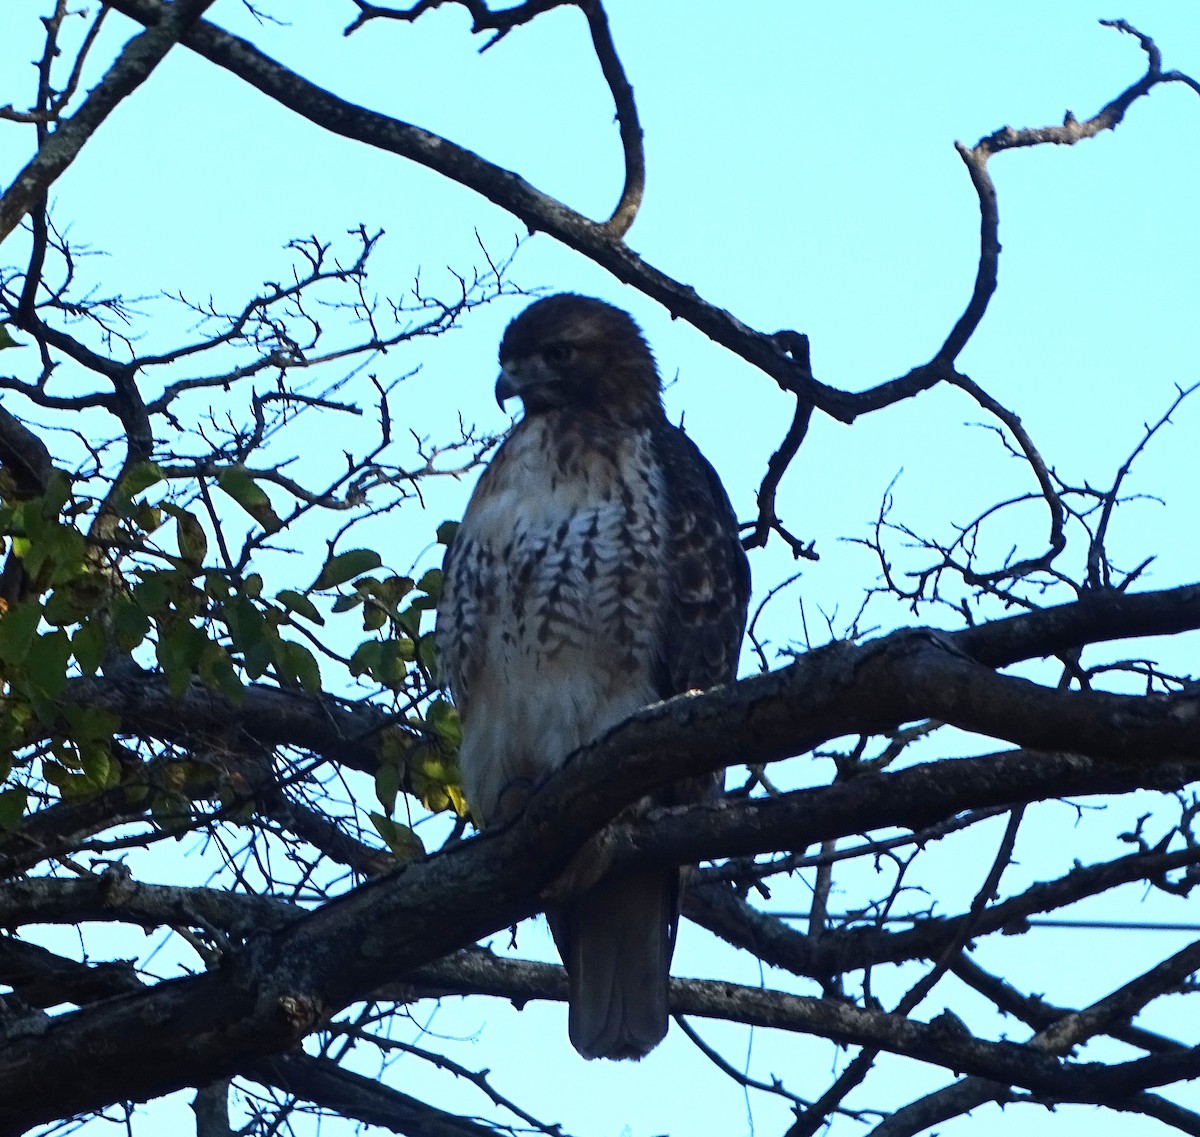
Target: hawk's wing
x=703 y=617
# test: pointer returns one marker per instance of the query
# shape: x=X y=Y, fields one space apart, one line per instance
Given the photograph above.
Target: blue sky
x=802 y=173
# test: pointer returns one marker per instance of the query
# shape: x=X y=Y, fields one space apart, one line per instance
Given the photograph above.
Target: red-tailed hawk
x=597 y=570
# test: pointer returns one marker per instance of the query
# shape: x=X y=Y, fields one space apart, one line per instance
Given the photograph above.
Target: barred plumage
x=597 y=569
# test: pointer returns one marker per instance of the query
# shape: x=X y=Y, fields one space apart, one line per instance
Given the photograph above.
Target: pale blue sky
x=801 y=172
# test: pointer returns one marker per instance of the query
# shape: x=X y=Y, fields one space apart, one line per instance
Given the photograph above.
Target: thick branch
x=113 y=897
x=267 y=715
x=24 y=456
x=44 y=979
x=284 y=984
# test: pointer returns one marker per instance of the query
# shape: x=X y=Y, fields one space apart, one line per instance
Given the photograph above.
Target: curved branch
x=1057 y=540
x=593 y=239
x=839 y=950
x=1006 y=138
x=796 y=346
x=627 y=119
x=483 y=19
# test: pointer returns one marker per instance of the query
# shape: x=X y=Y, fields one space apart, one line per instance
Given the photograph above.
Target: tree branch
x=132 y=67
x=364 y=1099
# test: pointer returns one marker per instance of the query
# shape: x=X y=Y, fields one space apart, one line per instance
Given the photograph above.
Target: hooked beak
x=505 y=389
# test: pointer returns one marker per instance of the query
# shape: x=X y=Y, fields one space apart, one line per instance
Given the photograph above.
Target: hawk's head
x=571 y=352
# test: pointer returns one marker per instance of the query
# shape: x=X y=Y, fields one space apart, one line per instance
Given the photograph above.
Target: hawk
x=597 y=570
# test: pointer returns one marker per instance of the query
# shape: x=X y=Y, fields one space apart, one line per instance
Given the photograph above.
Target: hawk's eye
x=557 y=354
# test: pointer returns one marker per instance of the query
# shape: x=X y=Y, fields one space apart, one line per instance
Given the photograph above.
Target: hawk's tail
x=616 y=940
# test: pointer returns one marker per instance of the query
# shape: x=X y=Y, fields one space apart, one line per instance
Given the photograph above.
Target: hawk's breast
x=549 y=615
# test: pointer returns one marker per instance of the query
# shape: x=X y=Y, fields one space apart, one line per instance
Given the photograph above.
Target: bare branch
x=133 y=66
x=351 y=1095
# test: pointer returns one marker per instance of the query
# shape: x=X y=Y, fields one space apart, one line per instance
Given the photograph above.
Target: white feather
x=549 y=621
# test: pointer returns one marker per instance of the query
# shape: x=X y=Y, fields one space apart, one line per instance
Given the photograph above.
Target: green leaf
x=245 y=622
x=152 y=594
x=431 y=584
x=300 y=604
x=141 y=477
x=346 y=566
x=130 y=624
x=46 y=663
x=6 y=339
x=410 y=621
x=17 y=714
x=251 y=635
x=387 y=784
x=298 y=663
x=393 y=588
x=217 y=673
x=385 y=661
x=240 y=486
x=33 y=522
x=447 y=531
x=17 y=628
x=443 y=720
x=367 y=658
x=193 y=542
x=216 y=585
x=59 y=548
x=400 y=839
x=66 y=552
x=61 y=608
x=98 y=766
x=434 y=778
x=88 y=644
x=427 y=653
x=180 y=648
x=71 y=785
x=13 y=801
x=406 y=650
x=56 y=495
x=91 y=724
x=148 y=518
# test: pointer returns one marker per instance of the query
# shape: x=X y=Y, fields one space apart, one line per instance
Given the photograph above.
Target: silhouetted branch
x=132 y=67
x=595 y=239
x=364 y=1099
